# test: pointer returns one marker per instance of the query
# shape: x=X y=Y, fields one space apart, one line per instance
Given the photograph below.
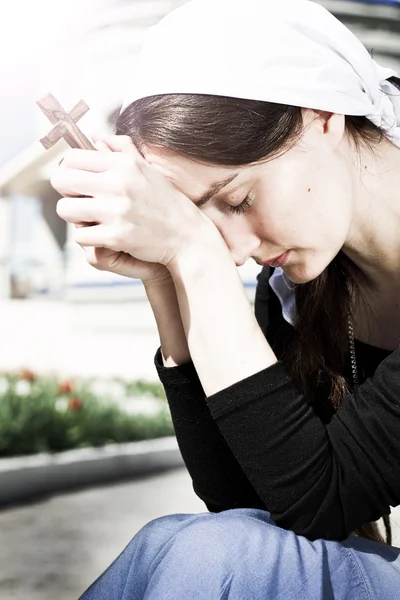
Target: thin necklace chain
x=353 y=354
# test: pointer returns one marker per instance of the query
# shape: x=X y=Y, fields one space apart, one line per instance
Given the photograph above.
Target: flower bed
x=46 y=414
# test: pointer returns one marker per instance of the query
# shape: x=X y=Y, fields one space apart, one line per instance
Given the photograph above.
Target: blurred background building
x=83 y=51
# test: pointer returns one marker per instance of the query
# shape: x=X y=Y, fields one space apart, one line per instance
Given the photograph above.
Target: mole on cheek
x=309 y=190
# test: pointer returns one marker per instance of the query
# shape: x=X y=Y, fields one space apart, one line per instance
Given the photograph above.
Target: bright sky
x=27 y=27
x=34 y=40
x=38 y=30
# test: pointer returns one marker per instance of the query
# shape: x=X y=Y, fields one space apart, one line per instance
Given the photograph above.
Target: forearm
x=225 y=341
x=217 y=477
x=164 y=303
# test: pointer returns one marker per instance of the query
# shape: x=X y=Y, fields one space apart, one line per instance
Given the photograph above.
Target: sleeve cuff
x=182 y=375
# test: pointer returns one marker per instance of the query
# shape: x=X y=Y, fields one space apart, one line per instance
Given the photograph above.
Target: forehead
x=189 y=176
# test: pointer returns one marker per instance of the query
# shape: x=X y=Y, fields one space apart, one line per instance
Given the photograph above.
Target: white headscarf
x=286 y=51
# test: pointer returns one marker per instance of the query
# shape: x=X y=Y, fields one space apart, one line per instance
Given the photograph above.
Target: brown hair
x=234 y=132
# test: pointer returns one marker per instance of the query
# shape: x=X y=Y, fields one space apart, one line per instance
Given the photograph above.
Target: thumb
x=116 y=143
x=102 y=146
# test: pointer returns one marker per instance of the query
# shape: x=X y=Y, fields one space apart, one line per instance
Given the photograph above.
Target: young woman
x=260 y=130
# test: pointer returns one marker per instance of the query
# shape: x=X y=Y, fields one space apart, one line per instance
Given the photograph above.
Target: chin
x=302 y=273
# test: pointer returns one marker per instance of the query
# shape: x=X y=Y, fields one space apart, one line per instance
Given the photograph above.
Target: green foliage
x=145 y=388
x=44 y=414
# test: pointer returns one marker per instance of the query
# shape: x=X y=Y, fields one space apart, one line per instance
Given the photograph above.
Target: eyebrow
x=214 y=189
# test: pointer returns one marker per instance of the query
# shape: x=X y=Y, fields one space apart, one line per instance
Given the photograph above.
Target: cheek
x=310 y=210
x=279 y=210
x=330 y=201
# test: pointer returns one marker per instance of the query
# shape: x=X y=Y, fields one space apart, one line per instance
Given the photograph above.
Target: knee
x=222 y=547
x=220 y=539
x=157 y=532
x=223 y=539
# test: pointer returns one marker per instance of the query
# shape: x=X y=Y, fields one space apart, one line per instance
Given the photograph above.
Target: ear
x=324 y=127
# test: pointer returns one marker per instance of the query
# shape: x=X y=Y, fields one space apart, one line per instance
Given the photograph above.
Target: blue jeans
x=241 y=554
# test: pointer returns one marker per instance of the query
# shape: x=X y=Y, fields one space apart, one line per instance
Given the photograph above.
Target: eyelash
x=242 y=207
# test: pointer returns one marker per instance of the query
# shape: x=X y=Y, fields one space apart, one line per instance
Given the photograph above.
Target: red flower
x=75 y=404
x=65 y=387
x=27 y=375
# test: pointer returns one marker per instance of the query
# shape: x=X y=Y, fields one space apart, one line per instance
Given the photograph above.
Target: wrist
x=205 y=247
x=158 y=284
x=162 y=297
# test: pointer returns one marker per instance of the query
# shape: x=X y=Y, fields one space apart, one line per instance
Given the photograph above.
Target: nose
x=240 y=262
x=241 y=246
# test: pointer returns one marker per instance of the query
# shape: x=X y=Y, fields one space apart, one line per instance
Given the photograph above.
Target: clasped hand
x=120 y=202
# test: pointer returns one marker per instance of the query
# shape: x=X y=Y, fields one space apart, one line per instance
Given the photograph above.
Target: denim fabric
x=241 y=554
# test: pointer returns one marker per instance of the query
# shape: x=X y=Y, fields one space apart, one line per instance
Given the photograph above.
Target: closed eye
x=242 y=207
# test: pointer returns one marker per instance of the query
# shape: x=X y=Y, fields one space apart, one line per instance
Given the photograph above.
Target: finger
x=102 y=146
x=83 y=212
x=119 y=143
x=74 y=182
x=98 y=236
x=95 y=256
x=89 y=160
x=99 y=134
x=116 y=143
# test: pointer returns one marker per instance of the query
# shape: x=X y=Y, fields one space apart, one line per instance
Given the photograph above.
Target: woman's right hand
x=122 y=263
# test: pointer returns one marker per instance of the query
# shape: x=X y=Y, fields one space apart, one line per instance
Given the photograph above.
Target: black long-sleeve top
x=259 y=443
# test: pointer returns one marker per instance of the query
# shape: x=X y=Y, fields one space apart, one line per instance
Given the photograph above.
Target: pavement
x=55 y=548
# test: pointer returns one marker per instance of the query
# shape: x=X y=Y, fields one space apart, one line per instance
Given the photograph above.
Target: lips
x=278 y=261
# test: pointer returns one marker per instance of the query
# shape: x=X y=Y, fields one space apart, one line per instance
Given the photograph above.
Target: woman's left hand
x=123 y=203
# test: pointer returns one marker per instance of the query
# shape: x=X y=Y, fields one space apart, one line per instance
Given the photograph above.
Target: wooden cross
x=64 y=123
